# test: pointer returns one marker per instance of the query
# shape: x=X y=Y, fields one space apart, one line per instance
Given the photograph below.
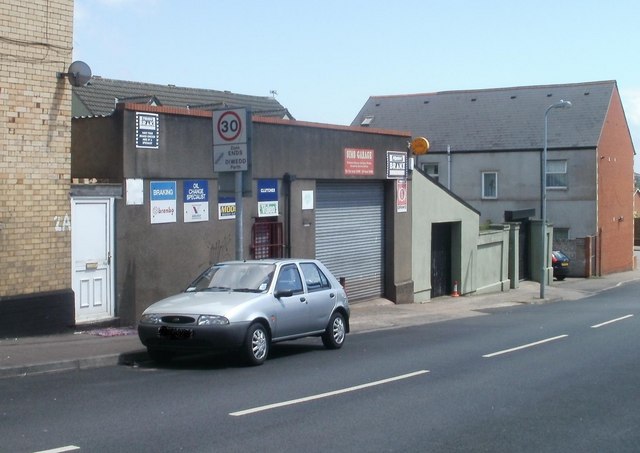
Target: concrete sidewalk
x=107 y=347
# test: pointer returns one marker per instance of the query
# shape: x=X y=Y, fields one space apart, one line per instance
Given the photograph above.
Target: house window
x=561 y=234
x=557 y=174
x=489 y=185
x=431 y=170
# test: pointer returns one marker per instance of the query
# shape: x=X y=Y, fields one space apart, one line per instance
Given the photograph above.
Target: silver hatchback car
x=247 y=306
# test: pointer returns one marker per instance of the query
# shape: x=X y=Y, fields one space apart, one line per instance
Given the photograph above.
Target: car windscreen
x=249 y=277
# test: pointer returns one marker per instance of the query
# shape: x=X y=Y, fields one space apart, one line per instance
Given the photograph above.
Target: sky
x=322 y=60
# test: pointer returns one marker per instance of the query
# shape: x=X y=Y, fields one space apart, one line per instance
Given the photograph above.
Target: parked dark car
x=560 y=264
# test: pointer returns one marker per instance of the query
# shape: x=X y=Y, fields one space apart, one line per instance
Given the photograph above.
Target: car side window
x=314 y=277
x=289 y=279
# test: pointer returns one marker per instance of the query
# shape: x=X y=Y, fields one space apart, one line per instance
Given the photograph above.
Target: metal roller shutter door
x=350 y=234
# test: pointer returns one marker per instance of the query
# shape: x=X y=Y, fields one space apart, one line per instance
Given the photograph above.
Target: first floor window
x=489 y=185
x=431 y=170
x=557 y=174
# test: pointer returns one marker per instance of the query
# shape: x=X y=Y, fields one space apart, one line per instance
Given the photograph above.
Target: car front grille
x=176 y=319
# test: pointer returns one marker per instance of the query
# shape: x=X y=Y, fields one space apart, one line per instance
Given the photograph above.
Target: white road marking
x=524 y=346
x=612 y=321
x=325 y=395
x=60 y=450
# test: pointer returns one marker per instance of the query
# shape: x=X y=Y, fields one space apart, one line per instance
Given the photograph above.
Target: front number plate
x=175 y=333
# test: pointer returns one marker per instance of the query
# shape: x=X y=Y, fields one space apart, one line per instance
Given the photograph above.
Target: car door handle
x=332 y=295
x=303 y=300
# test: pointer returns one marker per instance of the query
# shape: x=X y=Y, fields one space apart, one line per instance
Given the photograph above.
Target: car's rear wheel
x=334 y=335
x=256 y=344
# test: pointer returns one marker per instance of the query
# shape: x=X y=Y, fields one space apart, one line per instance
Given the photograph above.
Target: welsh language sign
x=230 y=148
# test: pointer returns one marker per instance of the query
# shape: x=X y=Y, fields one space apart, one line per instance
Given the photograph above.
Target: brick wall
x=615 y=192
x=35 y=143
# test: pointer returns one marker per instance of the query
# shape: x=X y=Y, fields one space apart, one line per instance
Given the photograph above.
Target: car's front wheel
x=333 y=337
x=256 y=344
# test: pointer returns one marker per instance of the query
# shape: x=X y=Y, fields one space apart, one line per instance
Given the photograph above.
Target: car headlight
x=150 y=318
x=212 y=320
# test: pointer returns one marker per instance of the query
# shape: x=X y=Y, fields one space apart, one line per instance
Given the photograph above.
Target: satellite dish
x=79 y=74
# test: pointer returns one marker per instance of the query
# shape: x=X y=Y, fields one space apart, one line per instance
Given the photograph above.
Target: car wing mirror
x=283 y=293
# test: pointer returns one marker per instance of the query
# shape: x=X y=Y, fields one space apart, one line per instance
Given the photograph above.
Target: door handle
x=332 y=295
x=303 y=300
x=108 y=258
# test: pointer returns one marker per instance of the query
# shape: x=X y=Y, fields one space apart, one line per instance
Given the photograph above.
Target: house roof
x=99 y=98
x=496 y=119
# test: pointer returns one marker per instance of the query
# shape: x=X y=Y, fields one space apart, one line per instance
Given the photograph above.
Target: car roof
x=273 y=261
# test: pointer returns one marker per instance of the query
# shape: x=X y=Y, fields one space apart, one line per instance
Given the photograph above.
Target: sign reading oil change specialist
x=163 y=201
x=196 y=200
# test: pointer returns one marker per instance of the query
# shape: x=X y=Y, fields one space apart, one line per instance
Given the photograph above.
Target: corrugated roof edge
x=260 y=119
x=367 y=130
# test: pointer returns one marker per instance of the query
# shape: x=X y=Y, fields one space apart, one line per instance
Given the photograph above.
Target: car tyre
x=256 y=344
x=334 y=335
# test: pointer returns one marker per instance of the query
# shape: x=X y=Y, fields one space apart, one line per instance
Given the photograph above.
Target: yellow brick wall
x=35 y=142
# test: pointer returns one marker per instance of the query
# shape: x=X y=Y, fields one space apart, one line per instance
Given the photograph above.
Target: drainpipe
x=287 y=179
x=448 y=167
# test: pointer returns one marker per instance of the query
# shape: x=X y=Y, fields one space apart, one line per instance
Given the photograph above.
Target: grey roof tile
x=100 y=96
x=496 y=119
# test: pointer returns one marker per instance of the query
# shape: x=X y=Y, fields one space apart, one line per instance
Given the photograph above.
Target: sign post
x=231 y=146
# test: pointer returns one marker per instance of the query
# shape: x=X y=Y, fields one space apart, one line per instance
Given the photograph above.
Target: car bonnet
x=203 y=302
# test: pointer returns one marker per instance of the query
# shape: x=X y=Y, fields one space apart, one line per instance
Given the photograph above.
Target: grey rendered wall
x=519 y=185
x=493 y=260
x=431 y=204
x=156 y=260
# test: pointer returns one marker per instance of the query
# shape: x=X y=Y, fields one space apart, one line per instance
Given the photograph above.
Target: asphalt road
x=555 y=377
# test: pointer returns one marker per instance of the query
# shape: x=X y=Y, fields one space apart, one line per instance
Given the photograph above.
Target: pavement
x=121 y=346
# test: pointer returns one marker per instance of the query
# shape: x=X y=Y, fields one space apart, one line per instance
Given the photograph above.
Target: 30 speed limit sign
x=230 y=147
x=229 y=127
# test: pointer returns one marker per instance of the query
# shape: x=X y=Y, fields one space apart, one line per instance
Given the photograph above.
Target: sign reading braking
x=163 y=201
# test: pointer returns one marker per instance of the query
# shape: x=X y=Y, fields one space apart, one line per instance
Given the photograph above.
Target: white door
x=91 y=246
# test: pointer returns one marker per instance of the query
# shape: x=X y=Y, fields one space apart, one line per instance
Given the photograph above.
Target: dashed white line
x=610 y=322
x=524 y=346
x=325 y=395
x=60 y=450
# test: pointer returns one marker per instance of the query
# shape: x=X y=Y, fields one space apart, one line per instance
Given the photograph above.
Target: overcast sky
x=325 y=58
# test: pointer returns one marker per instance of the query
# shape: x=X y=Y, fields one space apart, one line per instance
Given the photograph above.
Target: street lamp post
x=543 y=194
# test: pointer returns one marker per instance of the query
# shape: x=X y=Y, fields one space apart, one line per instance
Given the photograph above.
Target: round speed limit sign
x=229 y=126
